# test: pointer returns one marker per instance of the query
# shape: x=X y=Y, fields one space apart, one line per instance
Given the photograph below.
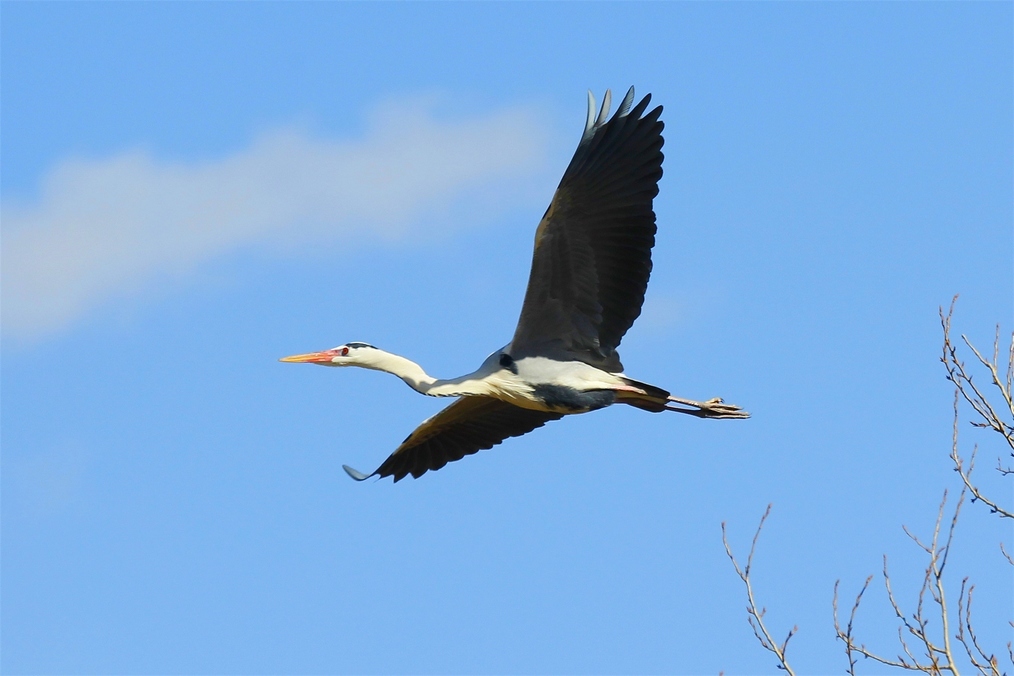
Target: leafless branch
x=847 y=634
x=754 y=616
x=923 y=648
x=988 y=665
x=937 y=657
x=987 y=415
x=1007 y=556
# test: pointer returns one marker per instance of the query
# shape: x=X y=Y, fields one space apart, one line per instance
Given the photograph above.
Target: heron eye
x=345 y=351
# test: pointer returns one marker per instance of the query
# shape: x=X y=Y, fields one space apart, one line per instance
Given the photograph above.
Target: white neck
x=420 y=381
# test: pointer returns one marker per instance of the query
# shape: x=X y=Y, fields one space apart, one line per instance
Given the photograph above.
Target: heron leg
x=712 y=408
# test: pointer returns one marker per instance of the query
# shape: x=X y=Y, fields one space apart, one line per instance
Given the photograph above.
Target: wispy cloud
x=103 y=226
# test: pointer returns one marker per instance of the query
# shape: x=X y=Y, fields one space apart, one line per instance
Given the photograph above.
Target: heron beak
x=310 y=358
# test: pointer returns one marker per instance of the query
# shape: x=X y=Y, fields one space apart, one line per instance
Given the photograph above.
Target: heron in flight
x=589 y=273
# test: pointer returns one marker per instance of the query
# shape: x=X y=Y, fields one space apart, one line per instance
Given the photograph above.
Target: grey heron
x=590 y=269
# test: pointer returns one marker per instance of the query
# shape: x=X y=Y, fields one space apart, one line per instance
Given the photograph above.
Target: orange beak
x=310 y=358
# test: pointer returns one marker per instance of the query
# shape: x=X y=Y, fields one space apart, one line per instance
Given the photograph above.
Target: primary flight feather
x=590 y=269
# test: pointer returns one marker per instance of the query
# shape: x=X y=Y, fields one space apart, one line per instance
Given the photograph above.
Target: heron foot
x=712 y=408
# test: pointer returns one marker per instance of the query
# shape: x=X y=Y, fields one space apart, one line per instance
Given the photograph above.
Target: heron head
x=349 y=354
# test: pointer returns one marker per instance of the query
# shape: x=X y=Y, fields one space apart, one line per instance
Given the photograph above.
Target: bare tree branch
x=988 y=417
x=923 y=649
x=1007 y=556
x=937 y=657
x=754 y=616
x=988 y=665
x=847 y=634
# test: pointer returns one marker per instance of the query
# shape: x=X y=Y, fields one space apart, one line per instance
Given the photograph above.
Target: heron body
x=590 y=269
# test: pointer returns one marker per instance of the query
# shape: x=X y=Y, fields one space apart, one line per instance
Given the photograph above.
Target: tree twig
x=754 y=616
x=988 y=665
x=965 y=387
x=938 y=656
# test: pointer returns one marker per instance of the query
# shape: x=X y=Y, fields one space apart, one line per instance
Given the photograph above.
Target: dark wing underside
x=468 y=425
x=593 y=247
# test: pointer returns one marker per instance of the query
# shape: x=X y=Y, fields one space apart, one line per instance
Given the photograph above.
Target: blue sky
x=191 y=191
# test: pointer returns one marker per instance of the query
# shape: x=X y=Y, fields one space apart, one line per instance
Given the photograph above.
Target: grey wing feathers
x=468 y=425
x=592 y=256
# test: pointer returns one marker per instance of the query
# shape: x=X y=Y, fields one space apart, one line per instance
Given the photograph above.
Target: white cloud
x=102 y=227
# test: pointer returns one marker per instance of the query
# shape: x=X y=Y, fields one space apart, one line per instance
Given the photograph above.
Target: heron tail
x=653 y=398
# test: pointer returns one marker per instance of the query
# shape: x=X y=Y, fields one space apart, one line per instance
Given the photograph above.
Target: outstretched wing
x=468 y=425
x=593 y=247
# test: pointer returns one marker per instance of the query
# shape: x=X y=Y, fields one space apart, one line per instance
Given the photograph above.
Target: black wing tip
x=625 y=104
x=355 y=473
x=627 y=116
x=597 y=121
x=628 y=104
